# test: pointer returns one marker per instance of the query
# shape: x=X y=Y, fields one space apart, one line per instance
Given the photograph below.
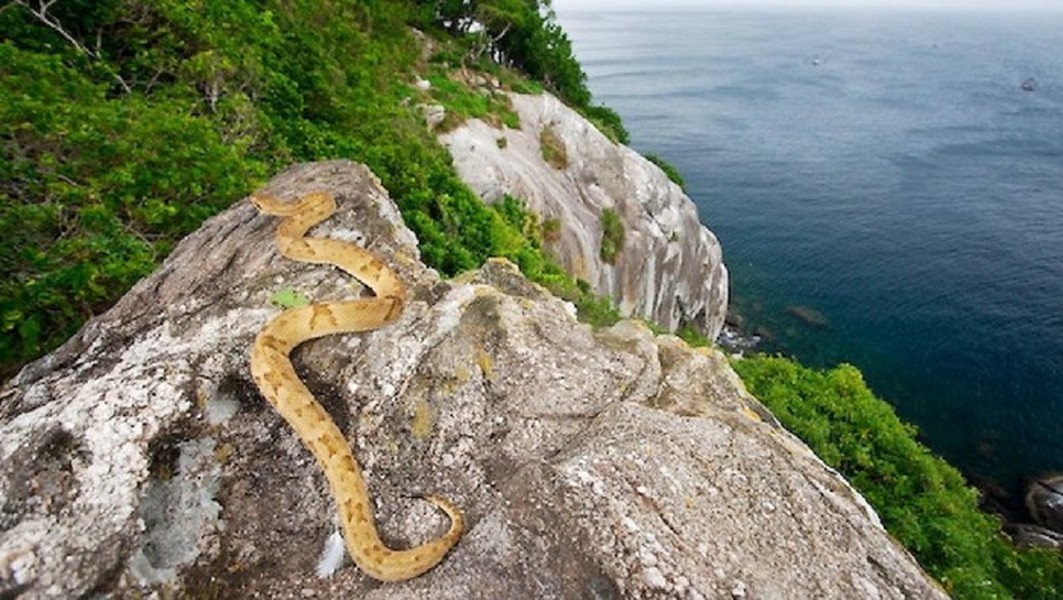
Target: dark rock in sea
x=734 y=319
x=1044 y=500
x=764 y=333
x=1029 y=84
x=736 y=340
x=1026 y=535
x=808 y=316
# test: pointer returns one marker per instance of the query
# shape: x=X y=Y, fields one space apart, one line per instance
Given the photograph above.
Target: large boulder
x=139 y=459
x=1026 y=535
x=669 y=269
x=1044 y=500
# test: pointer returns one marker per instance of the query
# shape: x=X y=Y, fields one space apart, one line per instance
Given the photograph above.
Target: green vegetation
x=524 y=33
x=612 y=235
x=553 y=149
x=689 y=334
x=288 y=297
x=668 y=169
x=125 y=123
x=923 y=501
x=608 y=122
x=462 y=101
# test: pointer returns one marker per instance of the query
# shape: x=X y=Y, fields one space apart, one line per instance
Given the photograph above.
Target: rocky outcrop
x=139 y=459
x=1026 y=535
x=669 y=269
x=1044 y=501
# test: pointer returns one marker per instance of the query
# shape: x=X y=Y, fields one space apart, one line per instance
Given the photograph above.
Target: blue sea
x=886 y=170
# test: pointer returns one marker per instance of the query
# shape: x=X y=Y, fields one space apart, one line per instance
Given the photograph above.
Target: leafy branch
x=40 y=11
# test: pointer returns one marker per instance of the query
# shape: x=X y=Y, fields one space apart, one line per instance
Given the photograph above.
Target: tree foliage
x=125 y=123
x=923 y=501
x=524 y=34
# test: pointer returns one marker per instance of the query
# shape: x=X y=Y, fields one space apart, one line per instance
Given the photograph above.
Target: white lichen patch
x=110 y=418
x=221 y=408
x=352 y=236
x=447 y=313
x=178 y=513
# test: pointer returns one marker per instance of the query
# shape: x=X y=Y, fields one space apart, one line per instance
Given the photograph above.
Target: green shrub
x=692 y=336
x=923 y=501
x=94 y=190
x=463 y=102
x=668 y=169
x=552 y=149
x=597 y=312
x=612 y=236
x=607 y=121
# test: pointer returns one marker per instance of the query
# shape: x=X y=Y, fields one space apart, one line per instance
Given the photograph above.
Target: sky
x=563 y=5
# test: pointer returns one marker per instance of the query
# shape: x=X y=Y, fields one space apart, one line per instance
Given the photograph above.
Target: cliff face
x=139 y=458
x=670 y=267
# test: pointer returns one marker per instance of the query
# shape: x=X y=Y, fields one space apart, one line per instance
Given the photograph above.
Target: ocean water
x=886 y=170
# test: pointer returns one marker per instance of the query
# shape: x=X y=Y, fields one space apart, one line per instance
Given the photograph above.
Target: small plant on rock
x=553 y=149
x=612 y=235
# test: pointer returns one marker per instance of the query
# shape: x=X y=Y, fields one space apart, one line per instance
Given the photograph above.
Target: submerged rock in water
x=808 y=316
x=736 y=340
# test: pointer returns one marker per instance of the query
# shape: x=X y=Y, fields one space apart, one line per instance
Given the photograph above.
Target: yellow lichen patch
x=403 y=257
x=553 y=149
x=223 y=451
x=201 y=399
x=421 y=419
x=752 y=414
x=486 y=364
x=578 y=268
x=461 y=375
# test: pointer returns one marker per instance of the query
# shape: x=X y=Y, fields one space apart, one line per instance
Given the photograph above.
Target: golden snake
x=272 y=370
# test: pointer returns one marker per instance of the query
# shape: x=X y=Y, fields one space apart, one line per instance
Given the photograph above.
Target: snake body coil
x=275 y=376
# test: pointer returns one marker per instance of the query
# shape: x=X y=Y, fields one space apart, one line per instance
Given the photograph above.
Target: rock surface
x=671 y=268
x=1044 y=500
x=140 y=460
x=1033 y=536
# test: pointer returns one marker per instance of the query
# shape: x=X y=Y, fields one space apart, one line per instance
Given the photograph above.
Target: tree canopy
x=125 y=123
